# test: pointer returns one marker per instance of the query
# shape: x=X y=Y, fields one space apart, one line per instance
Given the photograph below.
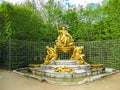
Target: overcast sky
x=81 y=2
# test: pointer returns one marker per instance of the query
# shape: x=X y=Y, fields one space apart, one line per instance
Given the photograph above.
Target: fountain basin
x=75 y=67
x=76 y=74
x=96 y=66
x=79 y=70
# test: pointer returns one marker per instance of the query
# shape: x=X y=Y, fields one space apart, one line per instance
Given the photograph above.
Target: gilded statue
x=51 y=55
x=64 y=69
x=77 y=55
x=64 y=39
x=64 y=43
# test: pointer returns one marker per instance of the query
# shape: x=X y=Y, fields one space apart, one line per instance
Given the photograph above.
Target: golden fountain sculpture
x=77 y=55
x=64 y=43
x=51 y=55
x=63 y=69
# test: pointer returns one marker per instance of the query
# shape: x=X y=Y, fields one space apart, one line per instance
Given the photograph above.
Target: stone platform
x=94 y=75
x=66 y=63
x=79 y=70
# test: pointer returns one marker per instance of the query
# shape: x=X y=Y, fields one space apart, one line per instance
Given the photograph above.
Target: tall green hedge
x=21 y=22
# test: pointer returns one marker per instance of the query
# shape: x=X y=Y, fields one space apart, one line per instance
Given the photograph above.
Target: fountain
x=75 y=66
x=72 y=71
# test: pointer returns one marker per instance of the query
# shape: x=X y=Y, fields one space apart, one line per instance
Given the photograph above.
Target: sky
x=83 y=2
x=75 y=2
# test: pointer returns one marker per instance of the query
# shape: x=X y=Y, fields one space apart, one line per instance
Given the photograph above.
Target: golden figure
x=64 y=69
x=77 y=55
x=64 y=39
x=64 y=42
x=51 y=55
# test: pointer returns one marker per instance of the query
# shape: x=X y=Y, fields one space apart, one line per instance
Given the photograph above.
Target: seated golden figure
x=51 y=55
x=77 y=55
x=64 y=41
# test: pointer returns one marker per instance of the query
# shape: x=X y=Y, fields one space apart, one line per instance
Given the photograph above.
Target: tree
x=110 y=23
x=21 y=22
x=5 y=23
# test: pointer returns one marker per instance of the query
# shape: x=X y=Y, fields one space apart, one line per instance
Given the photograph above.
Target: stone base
x=93 y=76
x=64 y=62
x=79 y=70
x=76 y=74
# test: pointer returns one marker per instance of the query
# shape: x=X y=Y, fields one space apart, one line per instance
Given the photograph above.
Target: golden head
x=63 y=27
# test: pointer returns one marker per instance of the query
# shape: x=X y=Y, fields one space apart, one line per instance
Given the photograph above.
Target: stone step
x=64 y=62
x=76 y=74
x=75 y=67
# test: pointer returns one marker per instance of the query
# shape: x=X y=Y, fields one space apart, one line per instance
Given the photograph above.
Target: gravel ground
x=13 y=81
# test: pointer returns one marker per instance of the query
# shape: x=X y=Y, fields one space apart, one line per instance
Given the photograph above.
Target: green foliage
x=5 y=23
x=27 y=22
x=21 y=22
x=110 y=24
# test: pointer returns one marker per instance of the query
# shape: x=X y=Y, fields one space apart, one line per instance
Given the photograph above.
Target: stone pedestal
x=79 y=70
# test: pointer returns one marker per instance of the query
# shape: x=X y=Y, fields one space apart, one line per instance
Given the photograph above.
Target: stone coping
x=87 y=79
x=64 y=62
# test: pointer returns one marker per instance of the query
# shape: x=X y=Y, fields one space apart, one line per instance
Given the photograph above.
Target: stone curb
x=88 y=79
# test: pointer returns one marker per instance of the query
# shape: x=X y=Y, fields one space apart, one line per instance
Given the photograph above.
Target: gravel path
x=12 y=81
